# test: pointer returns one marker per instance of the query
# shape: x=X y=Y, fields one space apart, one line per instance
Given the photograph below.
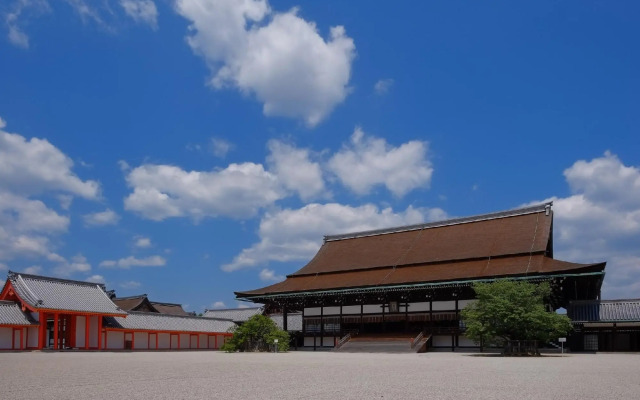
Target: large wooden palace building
x=417 y=278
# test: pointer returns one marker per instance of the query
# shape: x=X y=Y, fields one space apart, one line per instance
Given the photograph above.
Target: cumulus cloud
x=295 y=170
x=33 y=270
x=131 y=261
x=163 y=191
x=220 y=147
x=278 y=57
x=106 y=217
x=218 y=305
x=18 y=16
x=78 y=263
x=600 y=221
x=143 y=11
x=269 y=275
x=296 y=234
x=382 y=86
x=130 y=285
x=35 y=166
x=142 y=242
x=31 y=168
x=367 y=162
x=96 y=279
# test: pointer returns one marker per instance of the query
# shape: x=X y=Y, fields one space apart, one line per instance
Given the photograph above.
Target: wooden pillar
x=72 y=332
x=86 y=331
x=215 y=342
x=133 y=340
x=157 y=340
x=22 y=338
x=13 y=338
x=322 y=325
x=198 y=341
x=41 y=330
x=341 y=334
x=406 y=315
x=384 y=325
x=100 y=333
x=361 y=317
x=178 y=341
x=55 y=331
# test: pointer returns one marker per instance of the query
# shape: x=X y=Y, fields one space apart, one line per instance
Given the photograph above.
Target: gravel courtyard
x=321 y=375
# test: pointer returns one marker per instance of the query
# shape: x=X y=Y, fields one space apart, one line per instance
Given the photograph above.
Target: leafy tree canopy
x=257 y=334
x=512 y=310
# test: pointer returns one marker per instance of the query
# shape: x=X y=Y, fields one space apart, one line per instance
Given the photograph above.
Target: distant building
x=412 y=280
x=38 y=312
x=605 y=325
x=142 y=303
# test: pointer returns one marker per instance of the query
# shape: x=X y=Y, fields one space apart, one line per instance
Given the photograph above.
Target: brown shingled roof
x=506 y=244
x=170 y=308
x=135 y=303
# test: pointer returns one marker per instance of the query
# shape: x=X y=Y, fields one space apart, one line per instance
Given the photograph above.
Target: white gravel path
x=321 y=375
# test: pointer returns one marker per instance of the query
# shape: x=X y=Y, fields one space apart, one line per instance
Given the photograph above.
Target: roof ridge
x=232 y=309
x=542 y=207
x=605 y=301
x=165 y=303
x=12 y=274
x=176 y=316
x=139 y=296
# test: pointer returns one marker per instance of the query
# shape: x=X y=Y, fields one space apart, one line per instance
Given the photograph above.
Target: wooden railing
x=417 y=339
x=343 y=340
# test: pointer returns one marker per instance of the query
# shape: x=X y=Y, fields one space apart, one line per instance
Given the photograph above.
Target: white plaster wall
x=465 y=341
x=220 y=341
x=308 y=341
x=141 y=340
x=211 y=344
x=351 y=310
x=194 y=342
x=16 y=338
x=441 y=341
x=331 y=310
x=152 y=340
x=93 y=331
x=163 y=340
x=444 y=305
x=32 y=340
x=421 y=306
x=463 y=303
x=372 y=308
x=80 y=328
x=115 y=340
x=312 y=311
x=328 y=341
x=203 y=341
x=174 y=341
x=5 y=338
x=184 y=341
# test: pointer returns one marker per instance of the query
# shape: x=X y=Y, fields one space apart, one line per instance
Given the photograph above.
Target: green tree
x=257 y=334
x=512 y=310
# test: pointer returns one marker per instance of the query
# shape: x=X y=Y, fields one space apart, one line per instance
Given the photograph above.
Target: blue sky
x=190 y=148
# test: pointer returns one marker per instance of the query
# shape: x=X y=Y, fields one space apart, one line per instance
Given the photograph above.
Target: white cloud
x=269 y=275
x=19 y=16
x=163 y=191
x=96 y=279
x=600 y=221
x=35 y=166
x=218 y=304
x=220 y=147
x=130 y=285
x=78 y=264
x=296 y=234
x=278 y=57
x=295 y=170
x=142 y=242
x=144 y=11
x=123 y=165
x=383 y=86
x=369 y=161
x=33 y=270
x=106 y=217
x=131 y=261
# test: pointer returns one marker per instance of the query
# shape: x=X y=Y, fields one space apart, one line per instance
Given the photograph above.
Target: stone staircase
x=383 y=344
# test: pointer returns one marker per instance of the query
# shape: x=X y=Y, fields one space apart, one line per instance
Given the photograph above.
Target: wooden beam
x=100 y=333
x=55 y=331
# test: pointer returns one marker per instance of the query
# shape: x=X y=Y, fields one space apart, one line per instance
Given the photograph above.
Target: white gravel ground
x=321 y=375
